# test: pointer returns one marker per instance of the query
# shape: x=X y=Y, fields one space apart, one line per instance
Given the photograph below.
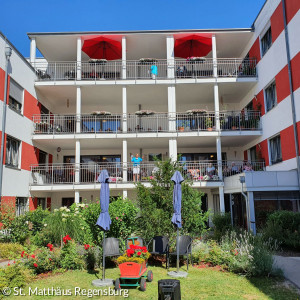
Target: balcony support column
x=124 y=109
x=124 y=159
x=219 y=157
x=77 y=197
x=221 y=198
x=172 y=108
x=77 y=162
x=251 y=213
x=32 y=51
x=78 y=67
x=173 y=149
x=125 y=194
x=78 y=109
x=214 y=55
x=123 y=57
x=170 y=56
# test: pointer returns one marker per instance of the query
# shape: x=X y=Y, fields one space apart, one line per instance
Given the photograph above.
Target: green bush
x=15 y=275
x=156 y=205
x=37 y=219
x=222 y=224
x=283 y=226
x=10 y=250
x=19 y=230
x=69 y=257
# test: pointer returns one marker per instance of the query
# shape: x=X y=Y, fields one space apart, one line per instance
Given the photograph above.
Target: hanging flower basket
x=196 y=111
x=101 y=113
x=196 y=58
x=147 y=60
x=145 y=112
x=98 y=61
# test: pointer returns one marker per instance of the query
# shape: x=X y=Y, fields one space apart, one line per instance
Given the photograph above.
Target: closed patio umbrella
x=176 y=218
x=104 y=220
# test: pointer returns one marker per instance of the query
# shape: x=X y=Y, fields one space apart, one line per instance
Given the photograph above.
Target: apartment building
x=226 y=113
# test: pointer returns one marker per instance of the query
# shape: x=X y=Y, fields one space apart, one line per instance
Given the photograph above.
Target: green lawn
x=200 y=284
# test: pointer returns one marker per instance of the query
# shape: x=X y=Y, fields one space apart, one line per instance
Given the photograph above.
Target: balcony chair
x=138 y=241
x=160 y=246
x=112 y=247
x=185 y=249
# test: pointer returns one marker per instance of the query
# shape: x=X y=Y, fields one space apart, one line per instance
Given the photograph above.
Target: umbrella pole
x=103 y=271
x=177 y=249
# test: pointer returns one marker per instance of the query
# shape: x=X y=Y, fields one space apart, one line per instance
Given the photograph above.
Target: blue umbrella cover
x=177 y=196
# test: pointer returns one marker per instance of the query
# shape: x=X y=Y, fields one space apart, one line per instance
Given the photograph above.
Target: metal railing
x=135 y=69
x=157 y=122
x=88 y=173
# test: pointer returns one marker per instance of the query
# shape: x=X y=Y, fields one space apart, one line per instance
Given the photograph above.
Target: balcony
x=150 y=123
x=137 y=70
x=87 y=173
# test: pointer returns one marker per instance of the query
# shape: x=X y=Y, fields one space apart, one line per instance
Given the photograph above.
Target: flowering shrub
x=69 y=258
x=135 y=253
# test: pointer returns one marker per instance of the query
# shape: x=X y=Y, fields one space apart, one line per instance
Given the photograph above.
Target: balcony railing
x=158 y=122
x=196 y=171
x=134 y=70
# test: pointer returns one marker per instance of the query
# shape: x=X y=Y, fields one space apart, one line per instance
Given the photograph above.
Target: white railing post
x=78 y=67
x=123 y=57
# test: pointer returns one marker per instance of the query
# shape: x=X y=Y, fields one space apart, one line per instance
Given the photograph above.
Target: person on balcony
x=210 y=170
x=234 y=168
x=136 y=166
x=153 y=71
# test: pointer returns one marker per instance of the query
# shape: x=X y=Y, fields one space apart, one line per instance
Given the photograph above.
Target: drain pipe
x=287 y=45
x=8 y=52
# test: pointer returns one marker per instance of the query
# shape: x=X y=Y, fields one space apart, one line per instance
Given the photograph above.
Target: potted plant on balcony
x=208 y=123
x=101 y=113
x=184 y=125
x=98 y=61
x=196 y=111
x=196 y=59
x=145 y=112
x=147 y=61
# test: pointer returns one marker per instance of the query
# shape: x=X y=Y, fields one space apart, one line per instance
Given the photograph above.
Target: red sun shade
x=102 y=48
x=192 y=45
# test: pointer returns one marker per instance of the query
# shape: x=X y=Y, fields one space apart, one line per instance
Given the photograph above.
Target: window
x=266 y=42
x=41 y=202
x=42 y=157
x=12 y=152
x=155 y=156
x=275 y=150
x=15 y=96
x=21 y=206
x=216 y=204
x=270 y=96
x=253 y=155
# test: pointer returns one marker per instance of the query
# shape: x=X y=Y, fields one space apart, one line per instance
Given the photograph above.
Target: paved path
x=290 y=267
x=5 y=263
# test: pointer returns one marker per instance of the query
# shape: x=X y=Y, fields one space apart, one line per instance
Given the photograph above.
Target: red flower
x=50 y=259
x=130 y=252
x=139 y=253
x=8 y=264
x=66 y=239
x=144 y=249
x=14 y=261
x=33 y=256
x=22 y=254
x=35 y=265
x=50 y=246
x=86 y=246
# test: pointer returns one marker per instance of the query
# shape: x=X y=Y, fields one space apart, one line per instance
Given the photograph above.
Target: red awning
x=192 y=45
x=101 y=47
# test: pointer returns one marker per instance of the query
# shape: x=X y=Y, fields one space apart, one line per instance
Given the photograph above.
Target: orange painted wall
x=29 y=156
x=277 y=24
x=32 y=203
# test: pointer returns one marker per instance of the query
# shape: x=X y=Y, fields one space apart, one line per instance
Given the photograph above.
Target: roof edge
x=17 y=51
x=32 y=34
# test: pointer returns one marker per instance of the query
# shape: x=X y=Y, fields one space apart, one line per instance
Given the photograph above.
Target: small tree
x=156 y=204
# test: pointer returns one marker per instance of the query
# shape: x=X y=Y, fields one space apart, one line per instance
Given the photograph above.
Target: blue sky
x=21 y=16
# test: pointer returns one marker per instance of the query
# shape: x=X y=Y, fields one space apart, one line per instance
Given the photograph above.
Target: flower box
x=145 y=112
x=101 y=113
x=97 y=61
x=132 y=269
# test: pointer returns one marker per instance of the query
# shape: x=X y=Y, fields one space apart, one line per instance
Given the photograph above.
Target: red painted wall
x=292 y=6
x=2 y=79
x=287 y=143
x=31 y=105
x=277 y=24
x=32 y=203
x=262 y=147
x=295 y=63
x=29 y=156
x=245 y=155
x=50 y=160
x=259 y=101
x=254 y=52
x=49 y=203
x=282 y=84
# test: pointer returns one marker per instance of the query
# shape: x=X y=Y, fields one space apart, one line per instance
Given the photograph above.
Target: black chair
x=185 y=248
x=138 y=241
x=160 y=246
x=112 y=247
